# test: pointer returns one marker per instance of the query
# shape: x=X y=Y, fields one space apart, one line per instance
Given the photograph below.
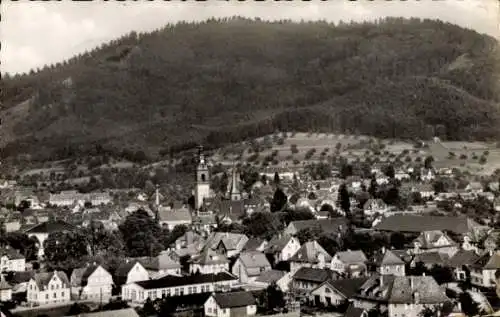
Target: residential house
x=435 y=241
x=11 y=260
x=430 y=259
x=186 y=305
x=5 y=290
x=240 y=304
x=482 y=272
x=427 y=174
x=487 y=195
x=388 y=263
x=460 y=263
x=41 y=232
x=174 y=217
x=250 y=265
x=349 y=263
x=281 y=278
x=190 y=243
x=474 y=187
x=229 y=244
x=400 y=295
x=48 y=288
x=311 y=254
x=306 y=279
x=373 y=206
x=130 y=272
x=139 y=292
x=282 y=247
x=336 y=292
x=334 y=226
x=92 y=282
x=255 y=244
x=209 y=262
x=160 y=265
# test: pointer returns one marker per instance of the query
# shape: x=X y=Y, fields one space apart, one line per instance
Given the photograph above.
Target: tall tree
x=276 y=178
x=141 y=235
x=279 y=201
x=344 y=200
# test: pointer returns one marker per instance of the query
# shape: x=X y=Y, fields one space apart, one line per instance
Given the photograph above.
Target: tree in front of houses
x=344 y=199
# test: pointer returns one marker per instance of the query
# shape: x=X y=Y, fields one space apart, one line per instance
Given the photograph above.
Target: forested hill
x=226 y=80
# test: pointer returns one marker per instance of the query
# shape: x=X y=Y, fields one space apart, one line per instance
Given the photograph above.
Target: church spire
x=234 y=192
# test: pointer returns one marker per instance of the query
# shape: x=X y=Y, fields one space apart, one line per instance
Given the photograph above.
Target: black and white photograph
x=250 y=158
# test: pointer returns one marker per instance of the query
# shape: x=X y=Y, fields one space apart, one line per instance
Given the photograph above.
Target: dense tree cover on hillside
x=225 y=80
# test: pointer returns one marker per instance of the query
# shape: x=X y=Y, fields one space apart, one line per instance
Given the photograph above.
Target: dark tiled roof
x=315 y=275
x=277 y=243
x=270 y=276
x=51 y=226
x=463 y=257
x=173 y=281
x=348 y=287
x=353 y=311
x=414 y=223
x=334 y=225
x=12 y=254
x=234 y=299
x=252 y=244
x=404 y=290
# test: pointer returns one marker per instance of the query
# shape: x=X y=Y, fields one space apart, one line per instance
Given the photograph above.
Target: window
x=209 y=309
x=176 y=292
x=51 y=287
x=327 y=290
x=62 y=294
x=55 y=295
x=46 y=296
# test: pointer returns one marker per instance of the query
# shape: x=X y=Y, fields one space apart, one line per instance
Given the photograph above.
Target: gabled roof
x=234 y=299
x=277 y=243
x=428 y=239
x=51 y=226
x=353 y=311
x=208 y=257
x=431 y=258
x=463 y=257
x=346 y=287
x=488 y=261
x=43 y=279
x=390 y=258
x=350 y=257
x=253 y=244
x=159 y=263
x=254 y=260
x=231 y=241
x=310 y=252
x=405 y=289
x=315 y=275
x=270 y=276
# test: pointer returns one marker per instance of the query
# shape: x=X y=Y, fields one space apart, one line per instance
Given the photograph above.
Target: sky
x=34 y=34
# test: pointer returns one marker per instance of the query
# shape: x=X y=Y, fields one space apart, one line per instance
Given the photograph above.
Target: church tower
x=202 y=189
x=233 y=191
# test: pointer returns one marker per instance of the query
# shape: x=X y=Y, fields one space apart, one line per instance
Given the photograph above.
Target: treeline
x=225 y=80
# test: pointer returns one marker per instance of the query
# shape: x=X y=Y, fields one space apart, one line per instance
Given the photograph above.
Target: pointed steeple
x=234 y=191
x=157 y=197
